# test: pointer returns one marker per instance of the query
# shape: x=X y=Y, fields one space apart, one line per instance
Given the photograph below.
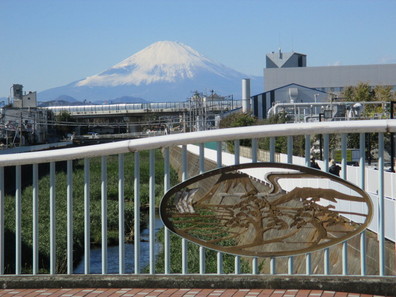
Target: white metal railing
x=165 y=142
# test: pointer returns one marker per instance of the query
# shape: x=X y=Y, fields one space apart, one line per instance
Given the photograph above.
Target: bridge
x=193 y=115
x=363 y=264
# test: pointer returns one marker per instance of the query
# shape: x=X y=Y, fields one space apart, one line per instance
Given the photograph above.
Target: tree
x=62 y=125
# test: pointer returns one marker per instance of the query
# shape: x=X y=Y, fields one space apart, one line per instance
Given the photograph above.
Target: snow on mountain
x=163 y=71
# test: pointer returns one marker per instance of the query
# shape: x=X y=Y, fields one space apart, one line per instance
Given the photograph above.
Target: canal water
x=112 y=255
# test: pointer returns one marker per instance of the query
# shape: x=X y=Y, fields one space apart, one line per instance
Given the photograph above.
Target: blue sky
x=50 y=43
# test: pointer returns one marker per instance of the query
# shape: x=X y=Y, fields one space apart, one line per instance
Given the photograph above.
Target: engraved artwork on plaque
x=266 y=209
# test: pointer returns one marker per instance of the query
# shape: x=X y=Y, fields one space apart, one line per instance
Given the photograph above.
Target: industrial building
x=22 y=122
x=288 y=80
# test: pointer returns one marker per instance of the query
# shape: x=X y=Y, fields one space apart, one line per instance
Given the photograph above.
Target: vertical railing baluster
x=344 y=155
x=219 y=155
x=18 y=213
x=344 y=176
x=290 y=149
x=362 y=170
x=326 y=145
x=167 y=251
x=237 y=260
x=52 y=219
x=345 y=258
x=2 y=220
x=326 y=261
x=104 y=212
x=381 y=204
x=290 y=161
x=254 y=150
x=219 y=165
x=307 y=149
x=202 y=258
x=121 y=215
x=272 y=265
x=307 y=163
x=69 y=193
x=87 y=229
x=152 y=211
x=184 y=242
x=308 y=263
x=35 y=228
x=326 y=155
x=255 y=265
x=236 y=152
x=254 y=160
x=137 y=212
x=272 y=149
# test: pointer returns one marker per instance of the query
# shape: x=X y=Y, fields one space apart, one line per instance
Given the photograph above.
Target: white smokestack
x=245 y=95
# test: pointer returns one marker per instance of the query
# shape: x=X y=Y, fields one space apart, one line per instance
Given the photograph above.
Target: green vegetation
x=78 y=209
x=193 y=258
x=362 y=92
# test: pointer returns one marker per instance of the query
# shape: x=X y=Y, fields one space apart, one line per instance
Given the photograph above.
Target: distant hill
x=164 y=71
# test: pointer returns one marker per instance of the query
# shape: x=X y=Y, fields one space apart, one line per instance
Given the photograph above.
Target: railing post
x=254 y=150
x=104 y=212
x=121 y=216
x=202 y=258
x=167 y=251
x=326 y=143
x=272 y=265
x=136 y=212
x=290 y=161
x=344 y=155
x=381 y=204
x=52 y=220
x=87 y=239
x=184 y=242
x=35 y=229
x=290 y=149
x=272 y=149
x=18 y=213
x=152 y=211
x=362 y=170
x=237 y=260
x=308 y=263
x=69 y=198
x=345 y=258
x=307 y=149
x=219 y=165
x=326 y=255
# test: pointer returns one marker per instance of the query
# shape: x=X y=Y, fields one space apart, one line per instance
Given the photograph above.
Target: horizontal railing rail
x=252 y=132
x=379 y=260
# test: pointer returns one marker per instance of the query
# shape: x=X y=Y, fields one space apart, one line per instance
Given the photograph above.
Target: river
x=112 y=255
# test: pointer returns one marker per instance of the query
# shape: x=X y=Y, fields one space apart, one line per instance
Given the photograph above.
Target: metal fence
x=367 y=254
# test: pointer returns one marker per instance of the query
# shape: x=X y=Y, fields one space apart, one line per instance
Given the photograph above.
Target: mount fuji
x=164 y=71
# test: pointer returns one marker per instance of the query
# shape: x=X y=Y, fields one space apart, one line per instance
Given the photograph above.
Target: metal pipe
x=381 y=204
x=184 y=242
x=136 y=211
x=152 y=211
x=69 y=194
x=121 y=211
x=18 y=220
x=35 y=225
x=87 y=205
x=167 y=262
x=104 y=212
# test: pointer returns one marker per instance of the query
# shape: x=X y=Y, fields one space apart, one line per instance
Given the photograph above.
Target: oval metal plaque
x=266 y=209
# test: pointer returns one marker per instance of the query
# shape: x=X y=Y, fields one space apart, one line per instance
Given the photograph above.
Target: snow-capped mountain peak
x=163 y=61
x=165 y=71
